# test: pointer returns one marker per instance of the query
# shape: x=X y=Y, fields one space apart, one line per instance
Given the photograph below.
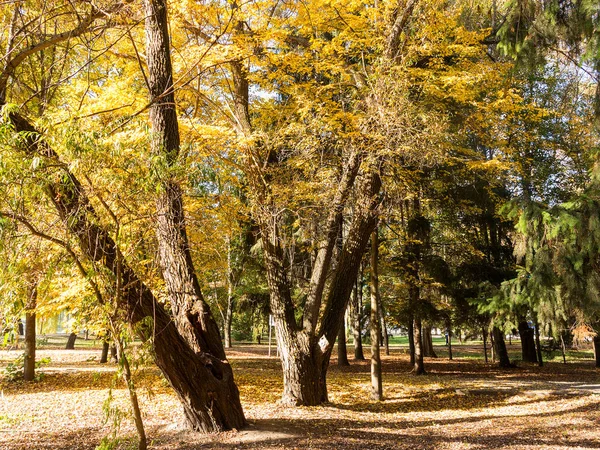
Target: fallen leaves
x=458 y=405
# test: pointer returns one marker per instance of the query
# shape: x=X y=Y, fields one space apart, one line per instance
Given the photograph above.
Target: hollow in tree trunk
x=500 y=348
x=29 y=360
x=528 y=350
x=71 y=341
x=376 y=382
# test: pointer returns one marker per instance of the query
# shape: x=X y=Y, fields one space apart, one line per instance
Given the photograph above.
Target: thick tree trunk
x=596 y=344
x=209 y=397
x=342 y=283
x=303 y=382
x=500 y=348
x=528 y=349
x=428 y=350
x=192 y=315
x=71 y=341
x=342 y=351
x=104 y=355
x=419 y=366
x=29 y=359
x=203 y=382
x=355 y=314
x=376 y=382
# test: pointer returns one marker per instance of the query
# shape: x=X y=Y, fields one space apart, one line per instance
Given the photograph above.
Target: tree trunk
x=203 y=382
x=303 y=382
x=411 y=341
x=428 y=350
x=528 y=349
x=449 y=334
x=227 y=322
x=596 y=344
x=376 y=382
x=104 y=355
x=193 y=318
x=384 y=331
x=71 y=341
x=484 y=334
x=419 y=367
x=500 y=348
x=29 y=359
x=230 y=298
x=355 y=314
x=114 y=357
x=133 y=398
x=538 y=344
x=342 y=351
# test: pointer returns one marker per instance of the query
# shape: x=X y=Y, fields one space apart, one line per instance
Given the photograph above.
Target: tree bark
x=428 y=350
x=230 y=298
x=500 y=348
x=114 y=357
x=484 y=334
x=355 y=314
x=342 y=351
x=538 y=345
x=29 y=359
x=209 y=396
x=384 y=332
x=419 y=367
x=104 y=355
x=449 y=333
x=376 y=382
x=411 y=341
x=528 y=350
x=71 y=341
x=192 y=315
x=596 y=345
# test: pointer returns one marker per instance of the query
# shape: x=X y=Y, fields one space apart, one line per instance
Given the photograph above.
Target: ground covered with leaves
x=460 y=404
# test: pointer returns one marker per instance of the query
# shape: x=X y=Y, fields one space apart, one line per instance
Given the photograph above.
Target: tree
x=203 y=411
x=376 y=381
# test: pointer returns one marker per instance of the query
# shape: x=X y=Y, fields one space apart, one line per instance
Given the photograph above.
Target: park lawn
x=460 y=404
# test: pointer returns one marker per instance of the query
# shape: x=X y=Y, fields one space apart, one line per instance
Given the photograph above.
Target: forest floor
x=460 y=404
